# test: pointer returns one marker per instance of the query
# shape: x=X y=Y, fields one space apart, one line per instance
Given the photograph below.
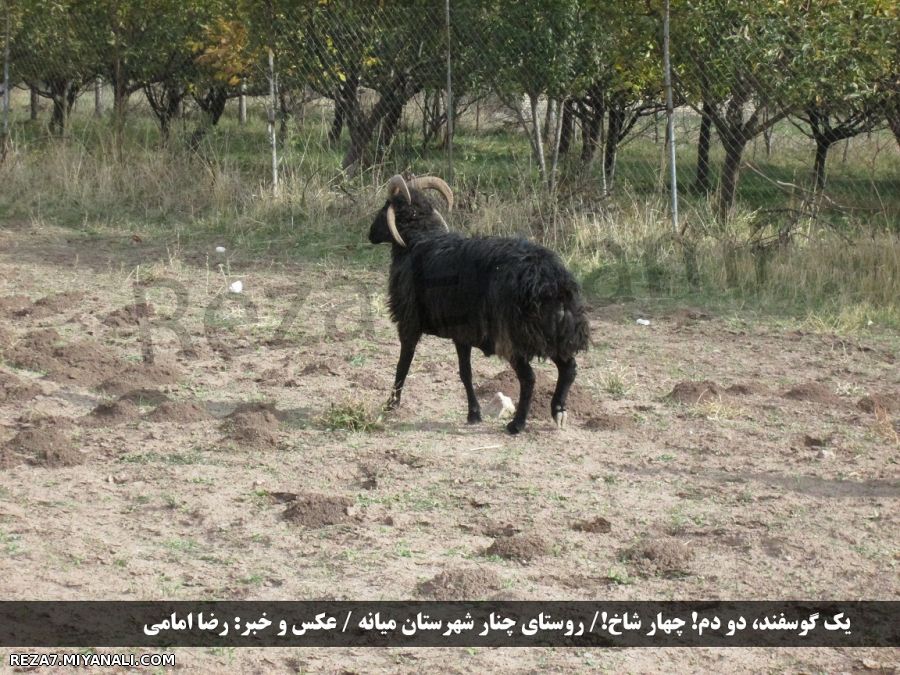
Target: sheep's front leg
x=567 y=370
x=464 y=353
x=407 y=351
x=526 y=389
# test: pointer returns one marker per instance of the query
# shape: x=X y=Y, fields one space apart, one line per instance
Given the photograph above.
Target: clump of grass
x=716 y=410
x=884 y=426
x=614 y=385
x=351 y=416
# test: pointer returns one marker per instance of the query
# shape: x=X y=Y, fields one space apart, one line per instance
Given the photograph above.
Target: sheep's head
x=408 y=212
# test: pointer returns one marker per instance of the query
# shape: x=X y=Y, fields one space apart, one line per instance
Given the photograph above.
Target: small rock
x=643 y=322
x=824 y=454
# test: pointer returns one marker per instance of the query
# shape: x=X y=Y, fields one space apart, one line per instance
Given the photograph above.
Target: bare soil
x=737 y=460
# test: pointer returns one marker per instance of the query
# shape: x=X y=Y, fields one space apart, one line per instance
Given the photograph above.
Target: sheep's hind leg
x=567 y=370
x=407 y=351
x=464 y=352
x=526 y=389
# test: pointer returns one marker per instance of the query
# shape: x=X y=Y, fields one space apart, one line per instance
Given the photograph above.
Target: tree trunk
x=590 y=132
x=702 y=181
x=554 y=154
x=823 y=144
x=58 y=117
x=98 y=103
x=549 y=124
x=165 y=101
x=568 y=128
x=212 y=105
x=537 y=146
x=33 y=104
x=120 y=104
x=337 y=124
x=387 y=110
x=284 y=112
x=893 y=118
x=62 y=93
x=389 y=127
x=734 y=150
x=346 y=105
x=610 y=152
x=242 y=105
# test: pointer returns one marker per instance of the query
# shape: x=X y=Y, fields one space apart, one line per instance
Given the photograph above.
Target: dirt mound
x=745 y=389
x=879 y=403
x=34 y=350
x=50 y=305
x=660 y=557
x=46 y=442
x=323 y=368
x=13 y=388
x=139 y=376
x=13 y=304
x=85 y=362
x=113 y=413
x=6 y=339
x=688 y=392
x=810 y=441
x=813 y=392
x=596 y=525
x=468 y=583
x=609 y=422
x=179 y=412
x=254 y=424
x=688 y=316
x=316 y=510
x=580 y=402
x=523 y=547
x=129 y=315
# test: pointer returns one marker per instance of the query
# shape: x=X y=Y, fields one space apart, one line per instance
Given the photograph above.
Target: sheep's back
x=505 y=295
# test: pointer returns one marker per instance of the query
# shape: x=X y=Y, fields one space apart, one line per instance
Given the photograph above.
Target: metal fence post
x=6 y=76
x=449 y=97
x=670 y=120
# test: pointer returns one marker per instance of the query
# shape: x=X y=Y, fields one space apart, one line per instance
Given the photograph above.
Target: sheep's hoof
x=515 y=427
x=474 y=416
x=561 y=418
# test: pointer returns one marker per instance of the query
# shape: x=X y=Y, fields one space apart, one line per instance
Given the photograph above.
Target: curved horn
x=392 y=226
x=434 y=183
x=441 y=218
x=398 y=184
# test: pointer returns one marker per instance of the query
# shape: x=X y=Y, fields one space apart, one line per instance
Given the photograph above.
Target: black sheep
x=505 y=296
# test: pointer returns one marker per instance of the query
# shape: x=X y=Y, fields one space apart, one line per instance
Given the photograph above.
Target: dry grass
x=846 y=281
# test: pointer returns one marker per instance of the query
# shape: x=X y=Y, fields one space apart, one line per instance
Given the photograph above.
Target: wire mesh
x=778 y=107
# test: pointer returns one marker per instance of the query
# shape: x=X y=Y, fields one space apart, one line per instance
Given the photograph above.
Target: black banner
x=450 y=624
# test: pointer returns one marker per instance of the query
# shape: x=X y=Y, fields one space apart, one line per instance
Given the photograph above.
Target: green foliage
x=351 y=416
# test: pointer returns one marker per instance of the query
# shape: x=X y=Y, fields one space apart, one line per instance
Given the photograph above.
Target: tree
x=541 y=52
x=50 y=51
x=223 y=58
x=144 y=43
x=732 y=61
x=849 y=47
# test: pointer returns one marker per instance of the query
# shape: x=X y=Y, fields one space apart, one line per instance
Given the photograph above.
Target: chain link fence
x=786 y=109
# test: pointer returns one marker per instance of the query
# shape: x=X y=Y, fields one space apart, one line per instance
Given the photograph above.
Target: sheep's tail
x=573 y=332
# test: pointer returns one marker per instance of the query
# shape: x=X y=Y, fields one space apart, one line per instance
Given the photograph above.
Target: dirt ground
x=707 y=457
